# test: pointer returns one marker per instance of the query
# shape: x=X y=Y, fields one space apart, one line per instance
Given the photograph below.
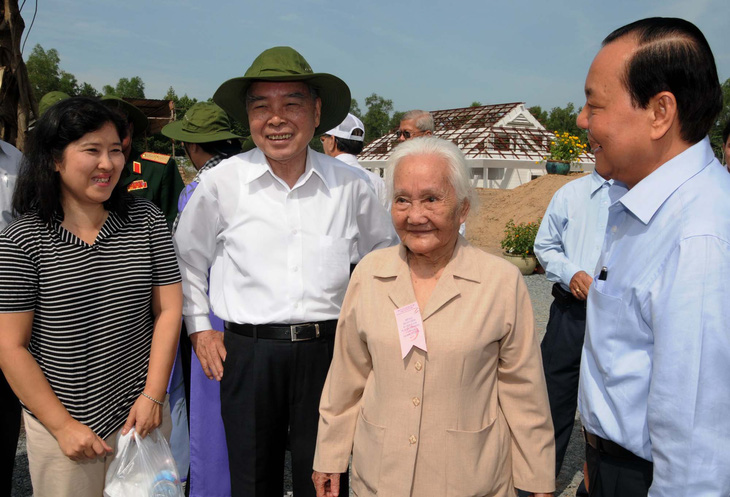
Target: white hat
x=346 y=127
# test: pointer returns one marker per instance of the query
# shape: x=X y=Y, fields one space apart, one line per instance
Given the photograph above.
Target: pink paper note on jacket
x=410 y=328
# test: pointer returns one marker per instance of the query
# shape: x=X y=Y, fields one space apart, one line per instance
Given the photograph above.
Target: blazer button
x=418 y=366
x=412 y=439
x=416 y=401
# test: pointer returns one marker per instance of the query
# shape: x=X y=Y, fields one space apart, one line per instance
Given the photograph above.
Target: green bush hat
x=286 y=64
x=49 y=99
x=133 y=113
x=204 y=122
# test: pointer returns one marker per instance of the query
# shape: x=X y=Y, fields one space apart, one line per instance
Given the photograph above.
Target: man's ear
x=664 y=114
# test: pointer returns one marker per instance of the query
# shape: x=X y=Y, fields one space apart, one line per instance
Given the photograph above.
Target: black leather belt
x=613 y=449
x=291 y=332
x=564 y=297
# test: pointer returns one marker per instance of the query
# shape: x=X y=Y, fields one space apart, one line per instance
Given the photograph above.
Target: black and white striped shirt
x=93 y=321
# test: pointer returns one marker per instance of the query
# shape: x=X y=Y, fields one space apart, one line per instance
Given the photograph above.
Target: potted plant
x=518 y=245
x=564 y=149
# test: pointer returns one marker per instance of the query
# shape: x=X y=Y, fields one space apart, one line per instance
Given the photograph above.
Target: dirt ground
x=485 y=227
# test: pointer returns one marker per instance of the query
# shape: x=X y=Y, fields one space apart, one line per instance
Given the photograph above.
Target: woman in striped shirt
x=90 y=300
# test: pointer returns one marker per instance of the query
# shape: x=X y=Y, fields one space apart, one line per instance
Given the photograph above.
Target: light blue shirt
x=9 y=163
x=571 y=233
x=655 y=373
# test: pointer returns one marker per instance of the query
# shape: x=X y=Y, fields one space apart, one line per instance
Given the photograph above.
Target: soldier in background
x=149 y=175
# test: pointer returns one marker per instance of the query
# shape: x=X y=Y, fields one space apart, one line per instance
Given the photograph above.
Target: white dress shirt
x=377 y=182
x=656 y=360
x=9 y=164
x=571 y=233
x=276 y=254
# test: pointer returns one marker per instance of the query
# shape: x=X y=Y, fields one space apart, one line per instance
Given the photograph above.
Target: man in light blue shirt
x=568 y=245
x=656 y=361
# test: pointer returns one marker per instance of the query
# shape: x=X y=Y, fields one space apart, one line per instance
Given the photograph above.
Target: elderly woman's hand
x=326 y=484
x=145 y=415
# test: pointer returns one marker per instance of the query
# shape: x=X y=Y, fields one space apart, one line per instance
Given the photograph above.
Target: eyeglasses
x=407 y=134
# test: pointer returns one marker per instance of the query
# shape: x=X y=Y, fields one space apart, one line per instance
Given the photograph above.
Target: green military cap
x=204 y=122
x=49 y=99
x=134 y=115
x=286 y=64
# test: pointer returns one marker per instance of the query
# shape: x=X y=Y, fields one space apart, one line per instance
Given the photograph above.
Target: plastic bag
x=143 y=467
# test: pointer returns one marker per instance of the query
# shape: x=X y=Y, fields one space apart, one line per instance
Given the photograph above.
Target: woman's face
x=91 y=166
x=426 y=213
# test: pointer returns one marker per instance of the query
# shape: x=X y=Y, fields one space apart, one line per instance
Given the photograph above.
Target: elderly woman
x=90 y=300
x=436 y=385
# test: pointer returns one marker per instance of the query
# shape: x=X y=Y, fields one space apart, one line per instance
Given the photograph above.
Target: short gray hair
x=424 y=119
x=430 y=145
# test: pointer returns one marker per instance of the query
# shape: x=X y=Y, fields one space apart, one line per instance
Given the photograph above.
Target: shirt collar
x=597 y=181
x=257 y=166
x=644 y=199
x=461 y=264
x=209 y=164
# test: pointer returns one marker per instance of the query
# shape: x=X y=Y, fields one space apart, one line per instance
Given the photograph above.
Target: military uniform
x=154 y=177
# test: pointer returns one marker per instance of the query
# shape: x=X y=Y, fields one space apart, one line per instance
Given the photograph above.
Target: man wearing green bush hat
x=148 y=174
x=279 y=228
x=49 y=99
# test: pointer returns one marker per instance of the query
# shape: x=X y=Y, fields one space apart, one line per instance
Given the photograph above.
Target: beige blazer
x=470 y=417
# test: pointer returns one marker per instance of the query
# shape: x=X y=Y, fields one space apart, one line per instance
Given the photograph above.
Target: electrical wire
x=27 y=33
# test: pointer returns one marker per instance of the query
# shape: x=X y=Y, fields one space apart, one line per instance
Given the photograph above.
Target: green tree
x=45 y=74
x=86 y=90
x=355 y=109
x=377 y=118
x=126 y=88
x=396 y=119
x=539 y=114
x=722 y=120
x=476 y=103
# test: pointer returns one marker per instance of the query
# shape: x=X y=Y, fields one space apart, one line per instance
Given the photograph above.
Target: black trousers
x=610 y=476
x=561 y=350
x=271 y=388
x=9 y=431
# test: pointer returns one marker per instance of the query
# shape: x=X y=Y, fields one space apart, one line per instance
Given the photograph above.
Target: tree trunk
x=16 y=97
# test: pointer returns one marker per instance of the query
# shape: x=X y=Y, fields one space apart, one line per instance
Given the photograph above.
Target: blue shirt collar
x=644 y=199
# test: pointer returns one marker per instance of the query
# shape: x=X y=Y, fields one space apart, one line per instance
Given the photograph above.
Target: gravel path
x=568 y=479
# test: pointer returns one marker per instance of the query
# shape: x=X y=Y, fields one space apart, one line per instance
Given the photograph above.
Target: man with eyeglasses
x=415 y=123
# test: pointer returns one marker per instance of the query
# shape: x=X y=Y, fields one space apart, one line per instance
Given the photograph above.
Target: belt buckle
x=294 y=330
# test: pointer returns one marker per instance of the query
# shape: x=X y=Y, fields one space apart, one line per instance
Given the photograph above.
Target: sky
x=419 y=54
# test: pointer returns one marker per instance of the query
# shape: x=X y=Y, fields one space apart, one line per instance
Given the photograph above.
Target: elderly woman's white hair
x=430 y=145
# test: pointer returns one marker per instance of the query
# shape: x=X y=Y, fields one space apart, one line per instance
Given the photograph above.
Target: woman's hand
x=326 y=484
x=79 y=442
x=145 y=416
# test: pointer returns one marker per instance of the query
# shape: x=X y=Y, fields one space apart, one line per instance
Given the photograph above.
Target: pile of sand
x=525 y=203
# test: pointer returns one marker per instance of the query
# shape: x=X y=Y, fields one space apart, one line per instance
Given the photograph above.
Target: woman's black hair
x=38 y=187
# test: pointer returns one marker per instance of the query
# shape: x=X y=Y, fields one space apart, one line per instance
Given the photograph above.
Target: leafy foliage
x=519 y=239
x=377 y=118
x=126 y=88
x=559 y=119
x=722 y=120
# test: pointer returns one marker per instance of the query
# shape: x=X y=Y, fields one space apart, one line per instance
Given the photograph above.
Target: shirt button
x=412 y=439
x=418 y=366
x=416 y=401
x=295 y=269
x=614 y=229
x=293 y=232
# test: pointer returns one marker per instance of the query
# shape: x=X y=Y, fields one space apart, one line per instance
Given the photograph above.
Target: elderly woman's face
x=426 y=213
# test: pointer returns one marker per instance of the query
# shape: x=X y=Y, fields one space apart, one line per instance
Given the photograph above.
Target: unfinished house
x=503 y=143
